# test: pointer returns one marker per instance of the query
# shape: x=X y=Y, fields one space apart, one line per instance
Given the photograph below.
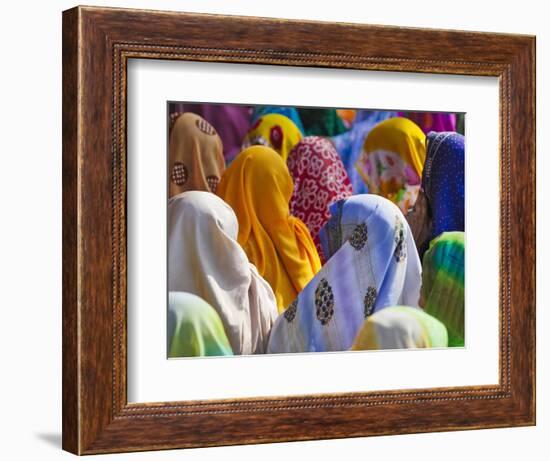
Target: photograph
x=313 y=229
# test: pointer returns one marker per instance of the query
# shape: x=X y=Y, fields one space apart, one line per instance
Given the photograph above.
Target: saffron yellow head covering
x=393 y=159
x=275 y=131
x=258 y=186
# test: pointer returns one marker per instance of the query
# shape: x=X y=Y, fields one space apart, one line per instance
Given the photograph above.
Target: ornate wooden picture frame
x=97 y=44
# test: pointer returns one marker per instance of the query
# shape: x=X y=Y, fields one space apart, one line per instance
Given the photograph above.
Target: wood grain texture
x=97 y=43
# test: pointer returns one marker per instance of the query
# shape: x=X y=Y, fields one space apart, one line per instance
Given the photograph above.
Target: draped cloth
x=443 y=181
x=442 y=294
x=231 y=122
x=195 y=155
x=350 y=144
x=401 y=327
x=258 y=186
x=320 y=179
x=321 y=122
x=289 y=112
x=205 y=259
x=392 y=161
x=432 y=121
x=375 y=266
x=194 y=328
x=275 y=131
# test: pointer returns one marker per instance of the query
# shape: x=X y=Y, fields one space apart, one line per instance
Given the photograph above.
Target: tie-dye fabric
x=443 y=181
x=442 y=292
x=376 y=266
x=401 y=327
x=319 y=180
x=194 y=328
x=350 y=144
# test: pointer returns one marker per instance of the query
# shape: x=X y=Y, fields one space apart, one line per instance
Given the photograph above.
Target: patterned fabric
x=362 y=277
x=432 y=121
x=195 y=155
x=230 y=121
x=205 y=259
x=289 y=112
x=350 y=144
x=443 y=181
x=392 y=161
x=400 y=327
x=319 y=180
x=442 y=292
x=258 y=186
x=275 y=131
x=194 y=328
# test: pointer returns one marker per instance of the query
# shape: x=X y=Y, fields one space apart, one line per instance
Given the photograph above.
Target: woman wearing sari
x=440 y=204
x=275 y=131
x=231 y=122
x=258 y=186
x=319 y=180
x=194 y=328
x=442 y=294
x=373 y=264
x=289 y=112
x=350 y=144
x=205 y=259
x=195 y=155
x=392 y=161
x=400 y=327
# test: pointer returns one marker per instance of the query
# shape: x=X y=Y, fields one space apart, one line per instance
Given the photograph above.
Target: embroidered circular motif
x=399 y=253
x=324 y=302
x=290 y=311
x=179 y=174
x=205 y=127
x=369 y=300
x=276 y=136
x=213 y=182
x=359 y=236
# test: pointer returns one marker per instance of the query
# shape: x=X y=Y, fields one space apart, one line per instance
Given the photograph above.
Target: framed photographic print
x=327 y=234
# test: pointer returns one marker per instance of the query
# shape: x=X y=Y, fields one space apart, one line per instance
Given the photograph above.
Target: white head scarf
x=205 y=259
x=373 y=264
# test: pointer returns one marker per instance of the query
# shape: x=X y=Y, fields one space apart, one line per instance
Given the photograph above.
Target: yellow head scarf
x=195 y=155
x=275 y=131
x=392 y=161
x=258 y=186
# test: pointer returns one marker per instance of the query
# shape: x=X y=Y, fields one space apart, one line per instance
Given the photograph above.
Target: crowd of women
x=312 y=230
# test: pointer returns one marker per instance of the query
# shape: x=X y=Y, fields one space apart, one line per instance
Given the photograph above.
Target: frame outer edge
x=70 y=178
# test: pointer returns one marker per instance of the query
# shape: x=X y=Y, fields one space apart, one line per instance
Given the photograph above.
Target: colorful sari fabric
x=432 y=121
x=258 y=186
x=194 y=328
x=321 y=122
x=205 y=259
x=275 y=131
x=289 y=112
x=350 y=144
x=320 y=179
x=347 y=116
x=442 y=292
x=392 y=161
x=443 y=181
x=400 y=327
x=195 y=155
x=231 y=121
x=376 y=266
